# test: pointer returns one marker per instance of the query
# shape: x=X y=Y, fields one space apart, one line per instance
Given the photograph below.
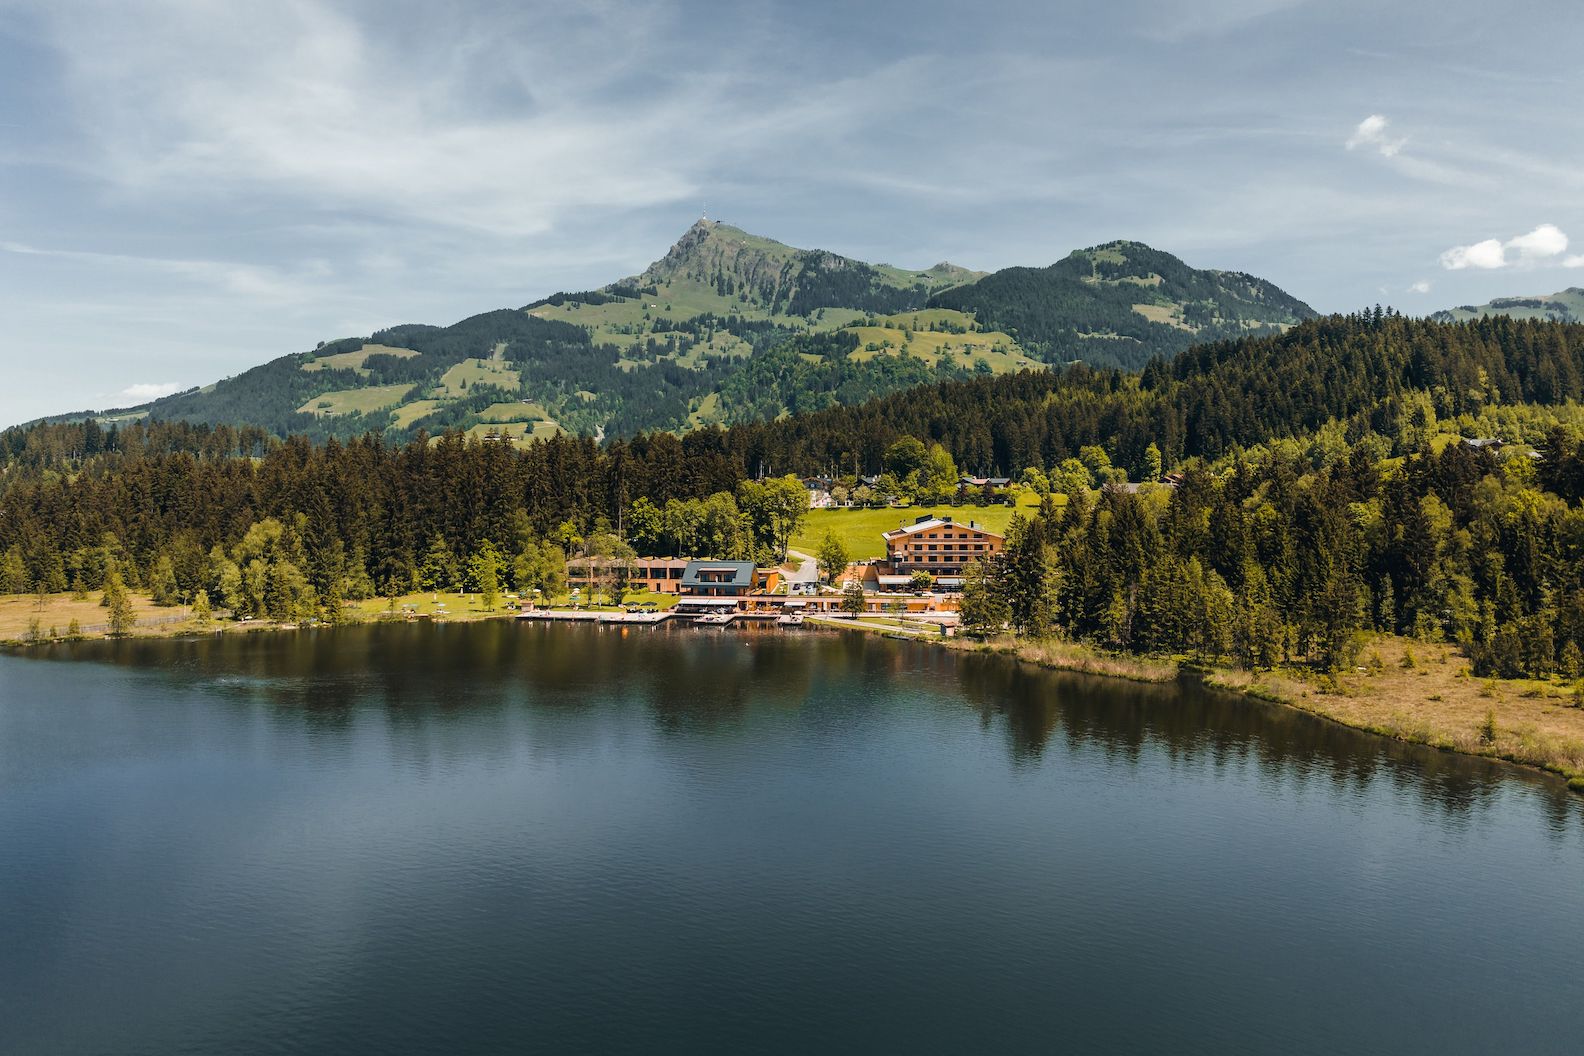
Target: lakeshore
x=1411 y=691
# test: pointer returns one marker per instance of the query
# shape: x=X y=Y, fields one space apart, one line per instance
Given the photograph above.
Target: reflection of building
x=939 y=546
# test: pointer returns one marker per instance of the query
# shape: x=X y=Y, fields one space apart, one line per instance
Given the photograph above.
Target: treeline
x=1272 y=562
x=1320 y=495
x=1372 y=372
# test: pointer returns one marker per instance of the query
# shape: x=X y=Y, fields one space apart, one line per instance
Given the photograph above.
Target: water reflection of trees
x=1191 y=723
x=718 y=682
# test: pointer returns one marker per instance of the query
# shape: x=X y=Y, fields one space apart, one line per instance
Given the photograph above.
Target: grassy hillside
x=667 y=349
x=1122 y=304
x=1566 y=306
x=730 y=327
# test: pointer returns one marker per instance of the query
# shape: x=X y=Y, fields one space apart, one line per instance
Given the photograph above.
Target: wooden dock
x=586 y=616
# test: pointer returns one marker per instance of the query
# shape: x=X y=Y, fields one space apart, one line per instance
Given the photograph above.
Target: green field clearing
x=927 y=317
x=707 y=412
x=995 y=348
x=525 y=411
x=1167 y=314
x=520 y=432
x=350 y=401
x=470 y=373
x=354 y=360
x=860 y=530
x=408 y=413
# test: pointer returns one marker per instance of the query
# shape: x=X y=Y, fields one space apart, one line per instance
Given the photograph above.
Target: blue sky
x=189 y=187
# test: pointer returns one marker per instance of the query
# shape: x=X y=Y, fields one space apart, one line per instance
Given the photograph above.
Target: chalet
x=1482 y=443
x=966 y=481
x=819 y=492
x=939 y=546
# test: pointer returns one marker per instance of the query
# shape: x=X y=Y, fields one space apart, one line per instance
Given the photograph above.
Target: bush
x=1487 y=730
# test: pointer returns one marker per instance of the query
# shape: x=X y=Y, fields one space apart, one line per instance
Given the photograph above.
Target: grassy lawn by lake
x=18 y=611
x=860 y=530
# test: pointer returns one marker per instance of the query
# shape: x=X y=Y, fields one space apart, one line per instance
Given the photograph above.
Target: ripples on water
x=502 y=838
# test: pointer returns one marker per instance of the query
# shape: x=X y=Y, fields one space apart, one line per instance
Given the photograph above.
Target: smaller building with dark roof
x=718 y=579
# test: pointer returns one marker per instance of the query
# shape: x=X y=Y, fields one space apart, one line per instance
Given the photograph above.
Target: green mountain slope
x=726 y=326
x=1566 y=306
x=1122 y=304
x=730 y=327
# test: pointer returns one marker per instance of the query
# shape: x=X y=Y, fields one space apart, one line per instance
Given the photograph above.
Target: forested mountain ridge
x=726 y=327
x=1121 y=304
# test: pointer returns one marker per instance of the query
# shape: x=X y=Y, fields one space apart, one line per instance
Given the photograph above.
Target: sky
x=192 y=187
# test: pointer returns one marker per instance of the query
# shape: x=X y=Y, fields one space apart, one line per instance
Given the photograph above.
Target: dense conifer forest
x=1322 y=490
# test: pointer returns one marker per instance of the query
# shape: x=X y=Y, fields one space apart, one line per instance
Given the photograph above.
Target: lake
x=500 y=838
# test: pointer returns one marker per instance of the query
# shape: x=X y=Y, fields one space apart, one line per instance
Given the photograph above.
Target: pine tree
x=120 y=605
x=13 y=573
x=1571 y=662
x=984 y=609
x=439 y=571
x=162 y=581
x=1030 y=579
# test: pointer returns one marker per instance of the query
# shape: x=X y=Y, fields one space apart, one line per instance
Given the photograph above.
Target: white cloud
x=1575 y=261
x=1419 y=287
x=1544 y=243
x=143 y=391
x=1371 y=133
x=1487 y=254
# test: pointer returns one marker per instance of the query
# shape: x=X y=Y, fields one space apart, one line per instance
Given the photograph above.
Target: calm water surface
x=498 y=838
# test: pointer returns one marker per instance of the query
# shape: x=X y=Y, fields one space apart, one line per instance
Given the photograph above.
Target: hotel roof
x=926 y=524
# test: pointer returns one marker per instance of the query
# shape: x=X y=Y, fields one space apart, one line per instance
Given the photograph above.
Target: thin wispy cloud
x=1373 y=133
x=257 y=283
x=142 y=391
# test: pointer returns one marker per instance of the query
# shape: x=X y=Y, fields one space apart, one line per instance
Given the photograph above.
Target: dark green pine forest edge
x=1328 y=526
